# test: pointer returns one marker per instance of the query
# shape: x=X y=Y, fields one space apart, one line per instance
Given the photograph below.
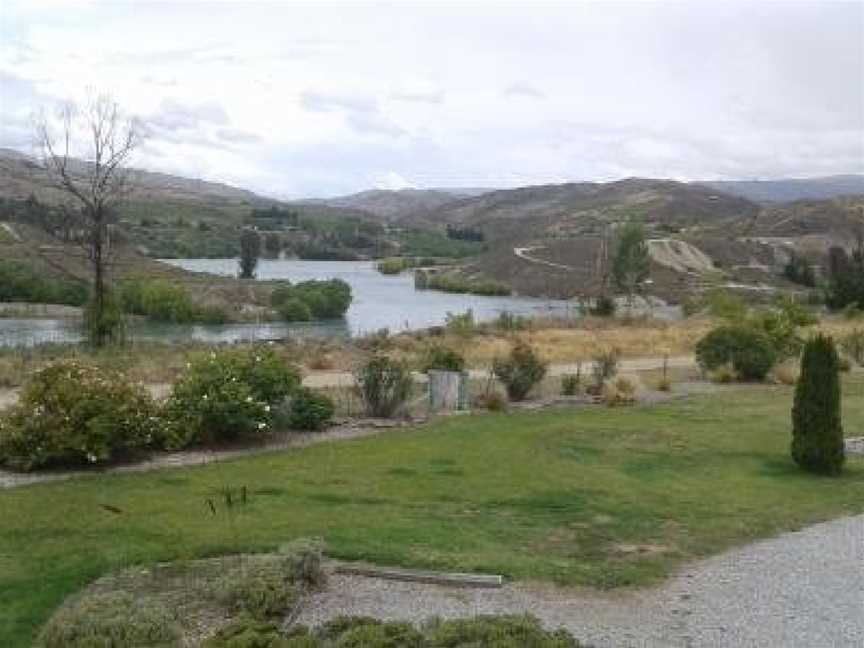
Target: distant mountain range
x=396 y=205
x=20 y=176
x=776 y=191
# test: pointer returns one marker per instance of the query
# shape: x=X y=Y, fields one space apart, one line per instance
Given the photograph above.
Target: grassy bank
x=602 y=497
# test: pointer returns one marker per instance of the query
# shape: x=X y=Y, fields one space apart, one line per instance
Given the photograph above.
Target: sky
x=299 y=100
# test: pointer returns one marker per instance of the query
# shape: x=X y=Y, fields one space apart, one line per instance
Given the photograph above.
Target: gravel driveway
x=801 y=589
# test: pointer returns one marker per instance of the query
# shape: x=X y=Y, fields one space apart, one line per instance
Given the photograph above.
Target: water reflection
x=380 y=302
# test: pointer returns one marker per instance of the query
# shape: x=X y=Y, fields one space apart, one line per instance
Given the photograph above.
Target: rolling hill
x=584 y=208
x=547 y=240
x=392 y=205
x=540 y=240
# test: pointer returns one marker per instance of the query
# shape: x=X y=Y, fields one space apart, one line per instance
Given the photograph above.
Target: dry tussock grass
x=572 y=344
x=787 y=372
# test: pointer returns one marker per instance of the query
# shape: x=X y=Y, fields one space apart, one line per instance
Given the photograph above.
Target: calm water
x=379 y=302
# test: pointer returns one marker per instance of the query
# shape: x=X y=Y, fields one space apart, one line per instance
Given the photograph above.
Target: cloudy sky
x=301 y=100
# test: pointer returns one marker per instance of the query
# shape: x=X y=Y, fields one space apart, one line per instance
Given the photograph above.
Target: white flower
x=248 y=399
x=91 y=457
x=205 y=397
x=262 y=425
x=266 y=408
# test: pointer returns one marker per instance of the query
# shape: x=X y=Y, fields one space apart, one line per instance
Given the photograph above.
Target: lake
x=380 y=301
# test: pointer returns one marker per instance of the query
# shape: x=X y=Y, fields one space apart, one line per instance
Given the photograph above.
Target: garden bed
x=545 y=496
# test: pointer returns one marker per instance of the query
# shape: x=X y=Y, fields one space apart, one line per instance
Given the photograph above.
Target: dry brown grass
x=640 y=339
x=787 y=372
x=557 y=341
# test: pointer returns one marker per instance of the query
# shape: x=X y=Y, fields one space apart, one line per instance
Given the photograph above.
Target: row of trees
x=465 y=234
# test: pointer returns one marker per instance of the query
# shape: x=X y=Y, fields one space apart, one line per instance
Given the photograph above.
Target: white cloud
x=391 y=180
x=290 y=99
x=524 y=90
x=418 y=90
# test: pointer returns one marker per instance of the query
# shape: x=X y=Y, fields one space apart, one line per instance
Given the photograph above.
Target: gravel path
x=800 y=589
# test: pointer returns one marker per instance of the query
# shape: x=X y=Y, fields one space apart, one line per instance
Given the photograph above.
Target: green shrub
x=162 y=301
x=322 y=300
x=443 y=358
x=570 y=384
x=310 y=410
x=504 y=631
x=780 y=325
x=500 y=631
x=70 y=413
x=754 y=361
x=326 y=299
x=380 y=634
x=295 y=310
x=262 y=590
x=281 y=293
x=165 y=302
x=248 y=632
x=391 y=266
x=462 y=324
x=726 y=306
x=383 y=385
x=520 y=371
x=20 y=282
x=455 y=282
x=302 y=560
x=603 y=306
x=112 y=620
x=211 y=314
x=229 y=394
x=750 y=352
x=105 y=326
x=817 y=430
x=337 y=626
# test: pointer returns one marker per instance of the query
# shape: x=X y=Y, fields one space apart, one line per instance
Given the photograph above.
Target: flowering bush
x=72 y=413
x=228 y=394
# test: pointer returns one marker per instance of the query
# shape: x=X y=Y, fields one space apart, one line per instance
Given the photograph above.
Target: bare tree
x=86 y=157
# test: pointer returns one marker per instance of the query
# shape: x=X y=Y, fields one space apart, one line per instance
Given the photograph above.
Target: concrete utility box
x=448 y=390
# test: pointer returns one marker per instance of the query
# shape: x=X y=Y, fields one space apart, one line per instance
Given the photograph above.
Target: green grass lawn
x=602 y=497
